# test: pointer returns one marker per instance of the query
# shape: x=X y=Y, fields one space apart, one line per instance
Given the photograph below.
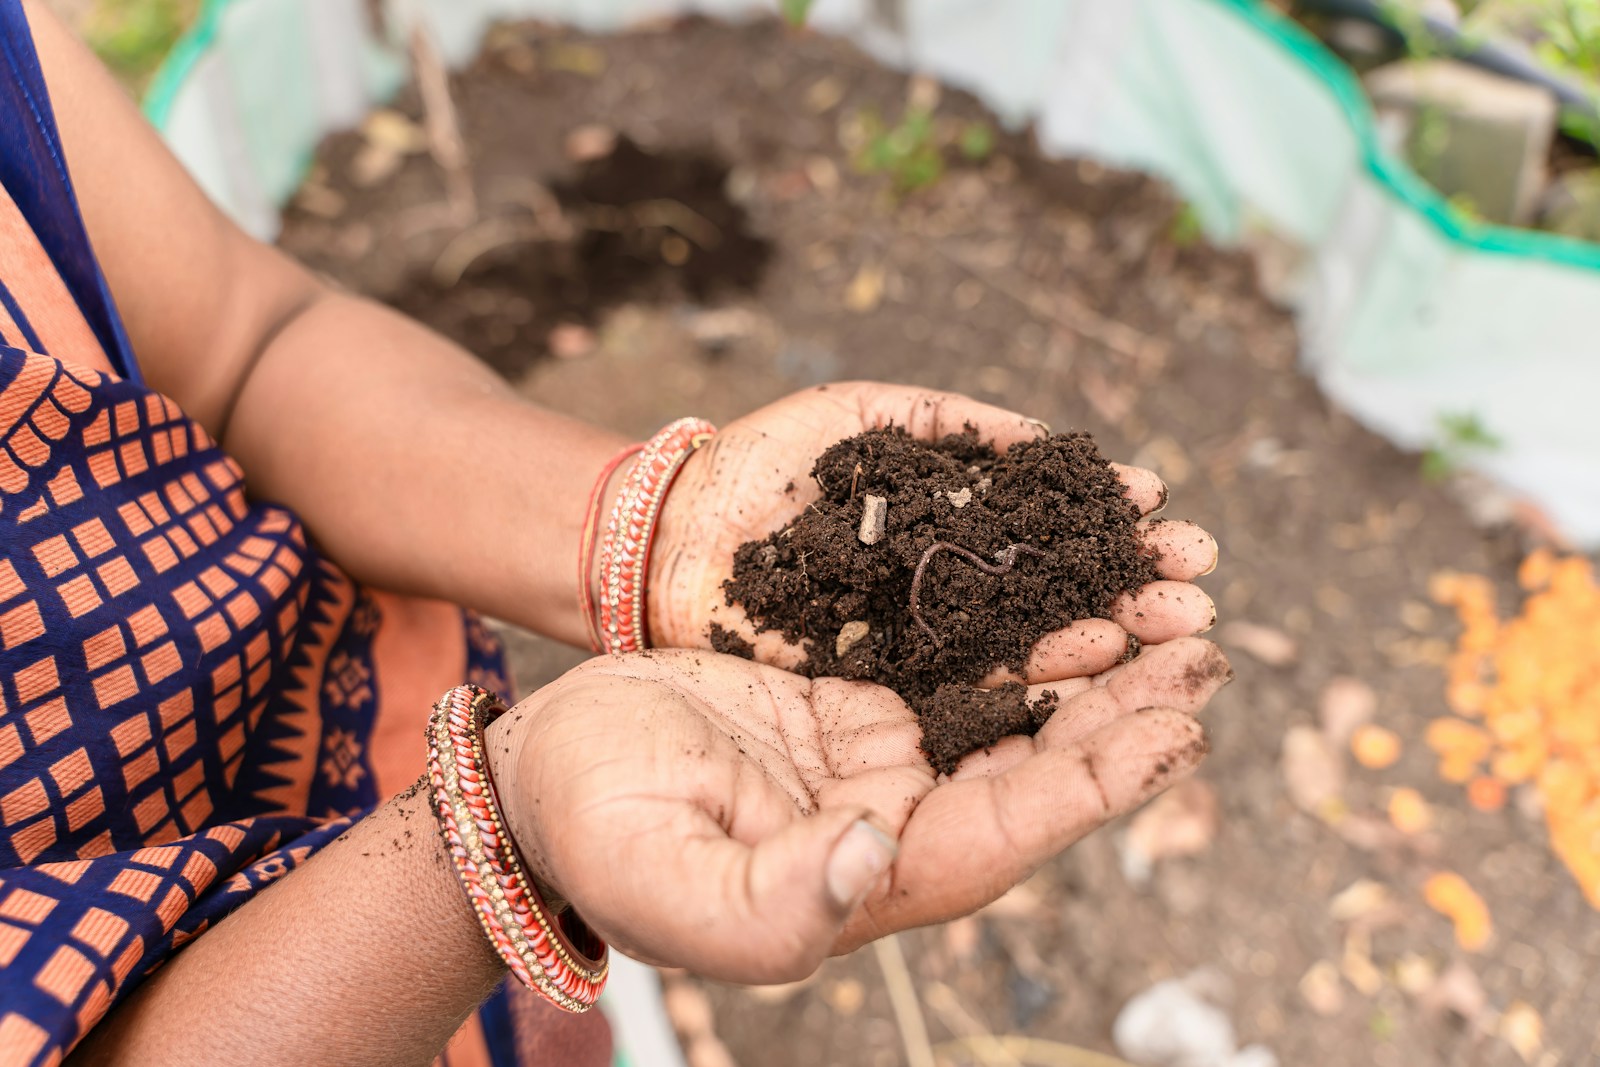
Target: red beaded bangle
x=562 y=960
x=630 y=533
x=591 y=533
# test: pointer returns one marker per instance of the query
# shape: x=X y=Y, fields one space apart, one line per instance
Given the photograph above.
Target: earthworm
x=1005 y=560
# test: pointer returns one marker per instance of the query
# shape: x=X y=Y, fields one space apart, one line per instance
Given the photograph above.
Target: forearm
x=416 y=467
x=368 y=954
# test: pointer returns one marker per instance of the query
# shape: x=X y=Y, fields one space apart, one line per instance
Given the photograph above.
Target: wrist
x=558 y=957
x=677 y=537
x=607 y=492
x=626 y=555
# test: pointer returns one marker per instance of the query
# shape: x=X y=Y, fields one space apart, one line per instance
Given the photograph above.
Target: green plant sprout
x=1461 y=437
x=912 y=152
x=1186 y=228
x=795 y=12
x=976 y=141
x=908 y=152
x=132 y=37
x=1571 y=45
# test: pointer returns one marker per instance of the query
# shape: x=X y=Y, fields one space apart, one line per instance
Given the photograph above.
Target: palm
x=713 y=767
x=755 y=476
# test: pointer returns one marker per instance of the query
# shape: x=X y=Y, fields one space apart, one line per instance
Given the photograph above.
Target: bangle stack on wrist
x=560 y=959
x=630 y=531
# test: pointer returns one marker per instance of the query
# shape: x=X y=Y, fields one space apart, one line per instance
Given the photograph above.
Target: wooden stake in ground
x=443 y=127
x=903 y=998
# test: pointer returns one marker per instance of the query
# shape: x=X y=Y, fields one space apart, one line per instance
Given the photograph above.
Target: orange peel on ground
x=1375 y=747
x=1532 y=683
x=1449 y=894
x=1408 y=812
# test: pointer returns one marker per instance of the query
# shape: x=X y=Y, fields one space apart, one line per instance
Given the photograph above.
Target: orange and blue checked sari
x=193 y=699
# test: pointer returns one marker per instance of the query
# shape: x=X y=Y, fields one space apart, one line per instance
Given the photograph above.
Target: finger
x=1145 y=487
x=1079 y=717
x=769 y=646
x=864 y=727
x=1164 y=610
x=1185 y=551
x=1084 y=648
x=890 y=793
x=1183 y=675
x=997 y=759
x=737 y=913
x=929 y=415
x=970 y=841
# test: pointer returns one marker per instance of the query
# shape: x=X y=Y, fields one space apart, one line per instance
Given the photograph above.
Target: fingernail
x=1213 y=621
x=860 y=857
x=1216 y=557
x=1040 y=425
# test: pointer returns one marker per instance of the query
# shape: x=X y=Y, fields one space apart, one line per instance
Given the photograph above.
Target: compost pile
x=927 y=567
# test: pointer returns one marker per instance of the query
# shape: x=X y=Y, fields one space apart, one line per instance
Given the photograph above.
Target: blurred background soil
x=699 y=218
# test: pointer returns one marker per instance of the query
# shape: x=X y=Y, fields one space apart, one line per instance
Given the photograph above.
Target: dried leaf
x=1346 y=703
x=1523 y=1029
x=1321 y=988
x=1167 y=458
x=865 y=291
x=1356 y=963
x=1271 y=646
x=393 y=132
x=845 y=996
x=1369 y=833
x=1180 y=822
x=571 y=341
x=1459 y=991
x=1358 y=900
x=824 y=94
x=1375 y=747
x=1408 y=812
x=590 y=142
x=1449 y=894
x=1312 y=771
x=1414 y=974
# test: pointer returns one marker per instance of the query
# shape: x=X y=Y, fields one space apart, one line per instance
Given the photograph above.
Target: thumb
x=769 y=912
x=803 y=883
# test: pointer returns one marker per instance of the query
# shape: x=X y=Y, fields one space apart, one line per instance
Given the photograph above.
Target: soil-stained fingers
x=1081 y=649
x=1183 y=675
x=1145 y=487
x=1163 y=611
x=971 y=840
x=928 y=414
x=1184 y=551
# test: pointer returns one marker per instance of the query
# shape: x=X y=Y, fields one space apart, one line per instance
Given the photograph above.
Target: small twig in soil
x=1005 y=560
x=442 y=124
x=904 y=1001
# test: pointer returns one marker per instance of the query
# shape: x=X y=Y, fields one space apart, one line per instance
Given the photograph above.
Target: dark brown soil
x=1061 y=289
x=981 y=555
x=631 y=226
x=957 y=719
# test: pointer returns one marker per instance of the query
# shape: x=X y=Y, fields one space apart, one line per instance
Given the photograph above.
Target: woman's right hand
x=708 y=812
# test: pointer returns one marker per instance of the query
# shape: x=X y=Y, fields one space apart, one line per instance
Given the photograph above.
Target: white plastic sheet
x=1407 y=312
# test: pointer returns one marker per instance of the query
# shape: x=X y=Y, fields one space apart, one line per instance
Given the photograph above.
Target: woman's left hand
x=707 y=812
x=755 y=476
